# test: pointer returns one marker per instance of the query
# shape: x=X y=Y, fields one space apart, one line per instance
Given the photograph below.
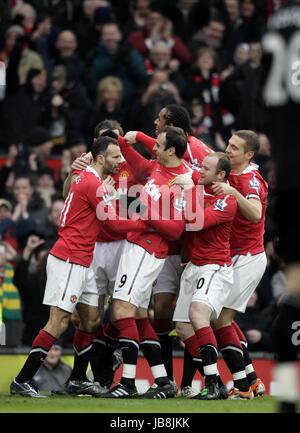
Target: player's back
x=79 y=225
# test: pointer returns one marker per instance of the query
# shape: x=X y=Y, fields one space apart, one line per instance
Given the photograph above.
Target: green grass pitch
x=17 y=404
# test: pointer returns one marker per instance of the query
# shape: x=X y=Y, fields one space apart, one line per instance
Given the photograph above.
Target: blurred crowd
x=73 y=63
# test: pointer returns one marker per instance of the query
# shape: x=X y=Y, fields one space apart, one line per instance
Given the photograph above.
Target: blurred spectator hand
x=11 y=156
x=33 y=242
x=254 y=335
x=32 y=161
x=57 y=101
x=11 y=253
x=130 y=137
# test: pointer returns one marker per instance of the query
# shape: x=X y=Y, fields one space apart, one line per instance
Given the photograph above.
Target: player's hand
x=254 y=335
x=184 y=181
x=109 y=184
x=221 y=188
x=82 y=161
x=130 y=137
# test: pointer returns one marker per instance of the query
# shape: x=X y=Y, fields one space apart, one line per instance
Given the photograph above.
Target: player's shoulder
x=194 y=141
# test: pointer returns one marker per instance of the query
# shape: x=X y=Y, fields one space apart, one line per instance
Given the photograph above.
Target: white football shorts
x=247 y=273
x=136 y=275
x=210 y=284
x=68 y=283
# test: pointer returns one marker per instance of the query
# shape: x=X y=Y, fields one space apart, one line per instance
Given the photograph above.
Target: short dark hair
x=251 y=139
x=108 y=124
x=175 y=137
x=101 y=144
x=178 y=116
x=223 y=163
x=109 y=133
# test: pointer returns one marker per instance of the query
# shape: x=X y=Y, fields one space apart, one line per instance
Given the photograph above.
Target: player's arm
x=138 y=164
x=133 y=136
x=251 y=208
x=79 y=164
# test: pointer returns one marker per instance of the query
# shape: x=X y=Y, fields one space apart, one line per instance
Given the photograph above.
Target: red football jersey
x=157 y=176
x=211 y=245
x=195 y=153
x=124 y=180
x=79 y=226
x=247 y=236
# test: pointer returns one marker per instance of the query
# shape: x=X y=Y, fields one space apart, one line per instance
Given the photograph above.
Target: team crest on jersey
x=124 y=173
x=220 y=205
x=77 y=180
x=73 y=299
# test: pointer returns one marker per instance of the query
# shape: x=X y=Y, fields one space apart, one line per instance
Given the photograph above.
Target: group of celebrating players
x=185 y=229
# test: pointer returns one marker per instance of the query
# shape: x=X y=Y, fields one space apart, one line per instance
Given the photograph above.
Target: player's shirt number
x=283 y=82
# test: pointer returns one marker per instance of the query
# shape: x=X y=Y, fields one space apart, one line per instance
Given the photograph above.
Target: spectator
x=43 y=38
x=159 y=93
x=25 y=110
x=139 y=11
x=70 y=106
x=9 y=297
x=50 y=228
x=109 y=100
x=29 y=207
x=46 y=185
x=30 y=279
x=24 y=15
x=66 y=46
x=117 y=58
x=158 y=28
x=40 y=144
x=160 y=59
x=53 y=373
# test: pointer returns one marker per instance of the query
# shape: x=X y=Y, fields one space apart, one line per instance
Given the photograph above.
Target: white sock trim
x=129 y=371
x=239 y=375
x=249 y=368
x=287 y=381
x=158 y=371
x=210 y=369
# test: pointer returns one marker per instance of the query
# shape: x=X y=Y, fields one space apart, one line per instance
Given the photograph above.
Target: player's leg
x=83 y=340
x=162 y=305
x=55 y=327
x=164 y=293
x=63 y=288
x=255 y=382
x=193 y=361
x=230 y=346
x=286 y=338
x=247 y=273
x=151 y=348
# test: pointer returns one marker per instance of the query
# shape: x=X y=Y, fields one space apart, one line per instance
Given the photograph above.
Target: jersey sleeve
x=139 y=165
x=147 y=141
x=253 y=188
x=221 y=211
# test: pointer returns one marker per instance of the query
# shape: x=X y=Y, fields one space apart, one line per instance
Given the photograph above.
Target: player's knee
x=91 y=324
x=162 y=306
x=199 y=315
x=181 y=331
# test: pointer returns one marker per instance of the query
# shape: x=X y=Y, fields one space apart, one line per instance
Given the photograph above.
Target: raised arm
x=140 y=166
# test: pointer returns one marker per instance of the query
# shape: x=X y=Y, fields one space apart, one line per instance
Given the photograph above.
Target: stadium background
x=122 y=60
